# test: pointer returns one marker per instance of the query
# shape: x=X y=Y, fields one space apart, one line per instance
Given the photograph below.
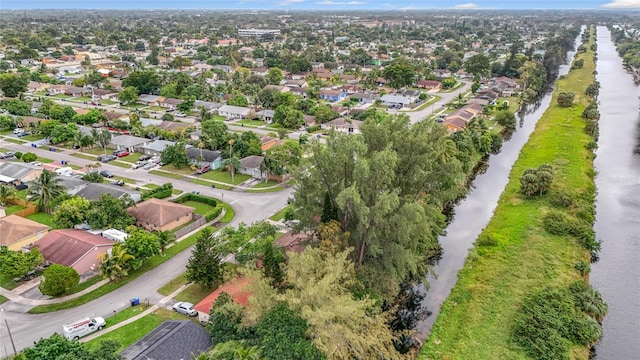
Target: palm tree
x=7 y=194
x=114 y=265
x=239 y=350
x=77 y=140
x=164 y=239
x=46 y=188
x=232 y=164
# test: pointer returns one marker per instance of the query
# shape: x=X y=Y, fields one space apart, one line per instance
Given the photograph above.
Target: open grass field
x=516 y=256
x=225 y=177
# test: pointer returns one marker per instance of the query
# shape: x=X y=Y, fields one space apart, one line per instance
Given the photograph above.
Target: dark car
x=144 y=157
x=106 y=158
x=29 y=275
x=106 y=173
x=21 y=186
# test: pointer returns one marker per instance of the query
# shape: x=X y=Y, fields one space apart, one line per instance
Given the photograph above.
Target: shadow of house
x=171 y=340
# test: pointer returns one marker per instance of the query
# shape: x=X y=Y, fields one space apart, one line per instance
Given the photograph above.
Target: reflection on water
x=617 y=274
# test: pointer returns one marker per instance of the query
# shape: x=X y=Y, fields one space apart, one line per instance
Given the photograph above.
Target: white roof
x=395 y=99
x=234 y=109
x=6 y=179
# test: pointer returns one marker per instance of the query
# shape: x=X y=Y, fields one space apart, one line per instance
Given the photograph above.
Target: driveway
x=27 y=328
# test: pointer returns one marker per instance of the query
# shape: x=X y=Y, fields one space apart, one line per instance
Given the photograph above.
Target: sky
x=406 y=5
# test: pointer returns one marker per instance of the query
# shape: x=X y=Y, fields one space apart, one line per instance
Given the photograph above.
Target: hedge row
x=213 y=214
x=160 y=192
x=197 y=197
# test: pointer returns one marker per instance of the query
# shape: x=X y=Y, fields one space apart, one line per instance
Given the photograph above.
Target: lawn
x=11 y=209
x=176 y=191
x=132 y=106
x=131 y=158
x=14 y=140
x=200 y=208
x=280 y=214
x=193 y=294
x=252 y=122
x=514 y=257
x=225 y=177
x=83 y=285
x=263 y=184
x=3 y=299
x=208 y=183
x=134 y=331
x=166 y=174
x=186 y=170
x=43 y=218
x=155 y=108
x=120 y=163
x=60 y=96
x=172 y=285
x=229 y=214
x=96 y=151
x=84 y=156
x=147 y=266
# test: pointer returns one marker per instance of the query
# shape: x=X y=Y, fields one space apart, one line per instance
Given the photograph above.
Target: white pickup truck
x=80 y=328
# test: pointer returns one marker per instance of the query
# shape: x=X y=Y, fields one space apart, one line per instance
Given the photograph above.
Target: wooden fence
x=30 y=208
x=198 y=221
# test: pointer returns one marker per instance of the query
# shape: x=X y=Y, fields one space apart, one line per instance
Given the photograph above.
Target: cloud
x=329 y=2
x=623 y=4
x=467 y=6
x=288 y=2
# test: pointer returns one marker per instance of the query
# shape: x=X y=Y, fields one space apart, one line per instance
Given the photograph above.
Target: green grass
x=60 y=96
x=229 y=214
x=280 y=214
x=12 y=209
x=3 y=299
x=131 y=158
x=43 y=218
x=125 y=314
x=147 y=266
x=208 y=183
x=84 y=156
x=256 y=191
x=151 y=186
x=121 y=164
x=225 y=177
x=522 y=258
x=186 y=170
x=44 y=160
x=263 y=184
x=130 y=333
x=166 y=174
x=8 y=282
x=219 y=118
x=14 y=141
x=252 y=122
x=22 y=194
x=193 y=294
x=83 y=285
x=81 y=99
x=155 y=108
x=96 y=151
x=200 y=208
x=132 y=106
x=172 y=285
x=176 y=191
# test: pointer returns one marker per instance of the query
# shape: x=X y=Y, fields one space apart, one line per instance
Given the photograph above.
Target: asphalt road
x=26 y=328
x=417 y=116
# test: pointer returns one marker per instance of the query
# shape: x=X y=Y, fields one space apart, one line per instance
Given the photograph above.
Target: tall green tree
x=205 y=266
x=399 y=73
x=13 y=84
x=129 y=95
x=175 y=155
x=115 y=266
x=45 y=189
x=142 y=245
x=57 y=279
x=164 y=239
x=71 y=212
x=8 y=194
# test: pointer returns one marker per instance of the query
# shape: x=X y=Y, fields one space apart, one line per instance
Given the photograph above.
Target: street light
x=13 y=345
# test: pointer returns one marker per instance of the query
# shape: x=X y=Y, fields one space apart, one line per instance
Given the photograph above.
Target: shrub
x=565 y=99
x=57 y=279
x=29 y=157
x=582 y=267
x=197 y=197
x=561 y=199
x=213 y=214
x=160 y=192
x=18 y=155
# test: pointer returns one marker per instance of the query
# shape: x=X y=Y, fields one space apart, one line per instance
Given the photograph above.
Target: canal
x=473 y=213
x=617 y=274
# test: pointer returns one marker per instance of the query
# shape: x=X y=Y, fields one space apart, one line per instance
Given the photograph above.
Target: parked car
x=118 y=183
x=144 y=157
x=35 y=163
x=17 y=130
x=138 y=164
x=23 y=133
x=203 y=169
x=116 y=152
x=21 y=186
x=123 y=153
x=106 y=158
x=181 y=114
x=185 y=308
x=150 y=165
x=29 y=275
x=106 y=173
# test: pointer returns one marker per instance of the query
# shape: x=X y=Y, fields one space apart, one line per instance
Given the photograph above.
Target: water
x=617 y=274
x=474 y=212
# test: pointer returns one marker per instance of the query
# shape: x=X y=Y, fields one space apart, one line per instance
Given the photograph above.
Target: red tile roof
x=237 y=288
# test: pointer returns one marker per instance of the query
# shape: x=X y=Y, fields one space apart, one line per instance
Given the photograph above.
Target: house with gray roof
x=128 y=142
x=252 y=166
x=210 y=106
x=171 y=340
x=395 y=100
x=155 y=147
x=92 y=191
x=148 y=99
x=266 y=115
x=202 y=157
x=11 y=171
x=234 y=112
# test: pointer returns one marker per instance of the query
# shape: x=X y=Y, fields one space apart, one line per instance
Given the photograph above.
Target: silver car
x=185 y=308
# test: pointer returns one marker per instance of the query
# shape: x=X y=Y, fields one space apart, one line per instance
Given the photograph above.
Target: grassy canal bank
x=516 y=258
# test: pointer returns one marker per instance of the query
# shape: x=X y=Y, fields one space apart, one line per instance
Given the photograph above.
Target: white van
x=80 y=328
x=64 y=171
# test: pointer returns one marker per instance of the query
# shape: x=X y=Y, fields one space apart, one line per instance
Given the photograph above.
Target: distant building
x=257 y=33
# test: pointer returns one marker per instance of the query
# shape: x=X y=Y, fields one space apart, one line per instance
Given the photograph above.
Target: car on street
x=185 y=308
x=106 y=173
x=106 y=158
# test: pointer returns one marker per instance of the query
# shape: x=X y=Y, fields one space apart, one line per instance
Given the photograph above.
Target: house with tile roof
x=237 y=288
x=160 y=215
x=74 y=248
x=171 y=340
x=16 y=232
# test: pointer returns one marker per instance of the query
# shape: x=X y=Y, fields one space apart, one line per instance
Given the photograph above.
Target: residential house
x=259 y=71
x=332 y=95
x=225 y=68
x=317 y=65
x=252 y=166
x=17 y=232
x=455 y=125
x=266 y=115
x=365 y=98
x=18 y=171
x=77 y=91
x=171 y=340
x=202 y=157
x=442 y=73
x=37 y=86
x=309 y=120
x=160 y=215
x=349 y=89
x=155 y=148
x=78 y=249
x=299 y=76
x=267 y=142
x=103 y=94
x=234 y=112
x=92 y=191
x=395 y=100
x=170 y=103
x=237 y=288
x=340 y=110
x=481 y=102
x=488 y=94
x=210 y=106
x=278 y=88
x=301 y=83
x=150 y=100
x=324 y=76
x=349 y=79
x=430 y=84
x=128 y=142
x=343 y=125
x=291 y=242
x=56 y=89
x=298 y=91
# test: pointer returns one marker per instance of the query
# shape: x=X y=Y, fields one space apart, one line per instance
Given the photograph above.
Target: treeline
x=556 y=50
x=628 y=47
